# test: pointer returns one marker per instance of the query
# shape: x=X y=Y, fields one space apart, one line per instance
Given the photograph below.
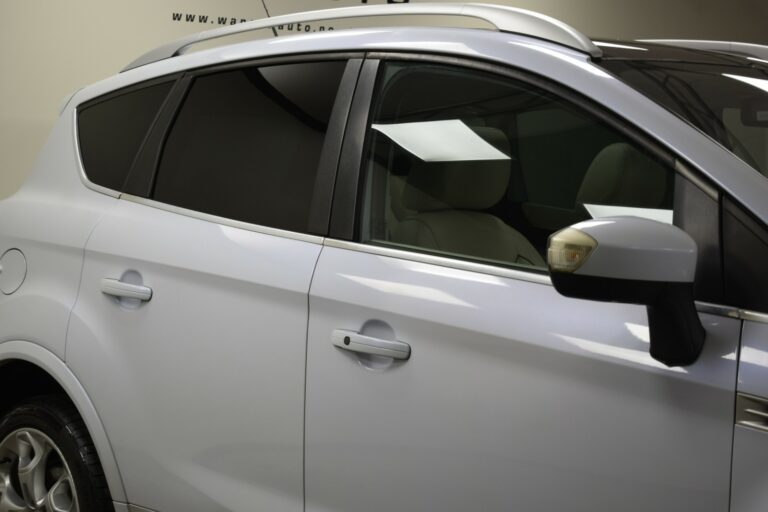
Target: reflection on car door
x=514 y=398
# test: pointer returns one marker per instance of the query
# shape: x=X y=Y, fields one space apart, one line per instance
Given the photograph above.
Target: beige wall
x=48 y=49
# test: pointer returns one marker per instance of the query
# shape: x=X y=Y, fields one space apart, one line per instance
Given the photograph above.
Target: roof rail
x=742 y=49
x=505 y=19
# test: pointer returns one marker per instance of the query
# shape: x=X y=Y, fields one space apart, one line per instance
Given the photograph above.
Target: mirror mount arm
x=677 y=336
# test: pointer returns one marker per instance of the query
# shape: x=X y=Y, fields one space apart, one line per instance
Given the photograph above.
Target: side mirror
x=635 y=261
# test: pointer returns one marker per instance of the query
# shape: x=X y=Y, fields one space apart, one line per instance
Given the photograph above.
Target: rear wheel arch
x=48 y=374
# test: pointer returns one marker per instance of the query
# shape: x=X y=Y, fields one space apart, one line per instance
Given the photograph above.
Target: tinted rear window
x=111 y=132
x=246 y=144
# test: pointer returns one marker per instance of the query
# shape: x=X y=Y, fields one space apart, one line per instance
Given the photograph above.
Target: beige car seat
x=619 y=175
x=622 y=175
x=448 y=199
x=396 y=211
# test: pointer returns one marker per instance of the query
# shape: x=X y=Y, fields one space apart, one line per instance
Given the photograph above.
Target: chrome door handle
x=355 y=342
x=123 y=290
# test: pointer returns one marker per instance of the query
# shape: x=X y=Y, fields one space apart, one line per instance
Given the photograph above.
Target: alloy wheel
x=34 y=475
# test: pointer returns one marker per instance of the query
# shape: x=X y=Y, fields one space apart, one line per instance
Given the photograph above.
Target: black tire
x=57 y=418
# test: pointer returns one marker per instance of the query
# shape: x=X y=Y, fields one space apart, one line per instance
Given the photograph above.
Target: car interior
x=553 y=163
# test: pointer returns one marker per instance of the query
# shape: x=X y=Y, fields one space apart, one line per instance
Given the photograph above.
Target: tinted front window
x=247 y=143
x=728 y=102
x=473 y=165
x=111 y=132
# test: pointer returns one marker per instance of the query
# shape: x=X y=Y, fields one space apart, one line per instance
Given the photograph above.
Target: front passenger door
x=444 y=372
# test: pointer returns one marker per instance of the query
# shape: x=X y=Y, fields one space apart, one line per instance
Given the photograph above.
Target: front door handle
x=124 y=290
x=362 y=344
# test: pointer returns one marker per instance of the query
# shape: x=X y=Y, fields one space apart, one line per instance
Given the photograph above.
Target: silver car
x=411 y=268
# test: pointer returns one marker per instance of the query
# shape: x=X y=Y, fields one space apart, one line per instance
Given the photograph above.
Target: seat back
x=449 y=200
x=622 y=175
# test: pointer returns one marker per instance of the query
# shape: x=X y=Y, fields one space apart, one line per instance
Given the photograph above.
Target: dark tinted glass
x=247 y=143
x=727 y=102
x=111 y=133
x=745 y=242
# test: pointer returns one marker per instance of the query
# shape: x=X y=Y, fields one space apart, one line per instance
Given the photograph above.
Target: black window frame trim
x=173 y=77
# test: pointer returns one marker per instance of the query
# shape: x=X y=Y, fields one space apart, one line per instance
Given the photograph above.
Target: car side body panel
x=556 y=402
x=750 y=443
x=201 y=387
x=39 y=310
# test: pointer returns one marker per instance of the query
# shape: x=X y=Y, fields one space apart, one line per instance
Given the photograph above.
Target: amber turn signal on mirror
x=568 y=249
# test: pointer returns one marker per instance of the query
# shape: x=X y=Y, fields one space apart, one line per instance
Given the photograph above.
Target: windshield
x=727 y=102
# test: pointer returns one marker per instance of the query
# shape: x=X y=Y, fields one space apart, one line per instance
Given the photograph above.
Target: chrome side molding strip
x=753 y=316
x=443 y=261
x=717 y=309
x=194 y=214
x=752 y=412
x=731 y=312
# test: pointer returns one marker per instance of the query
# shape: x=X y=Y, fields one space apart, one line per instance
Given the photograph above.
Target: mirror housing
x=635 y=261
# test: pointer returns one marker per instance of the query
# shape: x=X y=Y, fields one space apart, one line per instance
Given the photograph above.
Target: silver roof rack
x=742 y=49
x=505 y=19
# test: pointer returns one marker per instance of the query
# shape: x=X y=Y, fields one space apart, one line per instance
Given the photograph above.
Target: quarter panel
x=49 y=220
x=51 y=232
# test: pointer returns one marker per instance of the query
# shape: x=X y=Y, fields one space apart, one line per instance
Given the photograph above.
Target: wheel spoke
x=9 y=500
x=59 y=497
x=33 y=454
x=29 y=462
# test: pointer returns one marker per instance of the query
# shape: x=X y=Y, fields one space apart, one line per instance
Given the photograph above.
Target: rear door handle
x=123 y=290
x=355 y=342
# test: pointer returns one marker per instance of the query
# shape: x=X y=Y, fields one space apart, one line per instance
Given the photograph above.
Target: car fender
x=56 y=368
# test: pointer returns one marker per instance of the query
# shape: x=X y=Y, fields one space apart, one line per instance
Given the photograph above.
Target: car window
x=472 y=165
x=728 y=101
x=111 y=131
x=745 y=251
x=246 y=143
x=753 y=140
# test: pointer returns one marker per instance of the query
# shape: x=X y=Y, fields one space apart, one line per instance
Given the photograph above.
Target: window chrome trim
x=732 y=312
x=471 y=266
x=753 y=316
x=520 y=275
x=81 y=168
x=717 y=309
x=256 y=228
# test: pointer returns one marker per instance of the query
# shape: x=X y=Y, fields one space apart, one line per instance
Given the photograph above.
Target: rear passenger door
x=444 y=372
x=190 y=329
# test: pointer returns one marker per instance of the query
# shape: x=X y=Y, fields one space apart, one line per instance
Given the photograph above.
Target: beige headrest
x=464 y=185
x=621 y=174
